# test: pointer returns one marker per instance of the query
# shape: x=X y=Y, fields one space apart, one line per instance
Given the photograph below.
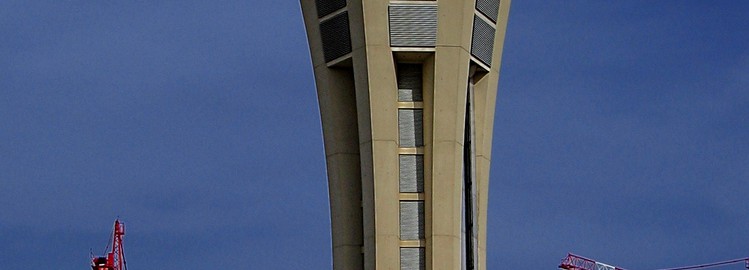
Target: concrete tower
x=407 y=91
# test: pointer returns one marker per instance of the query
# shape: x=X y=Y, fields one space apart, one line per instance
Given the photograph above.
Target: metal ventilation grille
x=413 y=25
x=412 y=220
x=336 y=37
x=490 y=8
x=482 y=43
x=326 y=7
x=413 y=259
x=411 y=127
x=411 y=173
x=409 y=82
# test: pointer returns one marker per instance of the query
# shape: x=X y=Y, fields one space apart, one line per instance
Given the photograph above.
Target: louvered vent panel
x=336 y=37
x=482 y=44
x=413 y=25
x=411 y=173
x=409 y=82
x=411 y=127
x=326 y=7
x=412 y=220
x=490 y=8
x=413 y=259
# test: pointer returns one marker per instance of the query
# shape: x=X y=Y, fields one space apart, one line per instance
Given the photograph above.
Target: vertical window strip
x=469 y=188
x=411 y=165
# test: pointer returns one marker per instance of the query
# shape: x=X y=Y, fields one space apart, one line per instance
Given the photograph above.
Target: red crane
x=115 y=259
x=575 y=262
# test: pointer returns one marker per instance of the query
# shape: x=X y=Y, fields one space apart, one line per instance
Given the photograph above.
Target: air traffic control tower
x=407 y=91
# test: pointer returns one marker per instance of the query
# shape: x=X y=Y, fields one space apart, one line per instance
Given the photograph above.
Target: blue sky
x=621 y=134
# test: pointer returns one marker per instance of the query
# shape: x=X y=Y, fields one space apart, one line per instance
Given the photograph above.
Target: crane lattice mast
x=115 y=259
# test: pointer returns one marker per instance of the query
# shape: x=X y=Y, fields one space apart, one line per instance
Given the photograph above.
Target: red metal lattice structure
x=575 y=262
x=711 y=265
x=115 y=259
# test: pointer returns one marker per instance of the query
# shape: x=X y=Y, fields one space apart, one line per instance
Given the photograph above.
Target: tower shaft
x=407 y=92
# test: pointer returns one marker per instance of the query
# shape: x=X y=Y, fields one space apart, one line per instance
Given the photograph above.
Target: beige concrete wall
x=452 y=59
x=384 y=132
x=336 y=96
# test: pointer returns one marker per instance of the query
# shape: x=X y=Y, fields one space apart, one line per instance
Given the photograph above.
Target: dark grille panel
x=336 y=37
x=482 y=43
x=413 y=25
x=409 y=82
x=413 y=259
x=325 y=7
x=490 y=8
x=411 y=173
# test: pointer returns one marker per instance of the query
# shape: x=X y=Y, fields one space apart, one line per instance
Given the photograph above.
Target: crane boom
x=710 y=265
x=575 y=262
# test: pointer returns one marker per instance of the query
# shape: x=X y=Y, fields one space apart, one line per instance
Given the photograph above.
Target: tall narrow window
x=469 y=188
x=411 y=127
x=411 y=173
x=413 y=259
x=412 y=220
x=409 y=82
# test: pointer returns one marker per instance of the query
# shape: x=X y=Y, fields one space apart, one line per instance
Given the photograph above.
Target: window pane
x=409 y=82
x=411 y=127
x=413 y=259
x=411 y=173
x=412 y=220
